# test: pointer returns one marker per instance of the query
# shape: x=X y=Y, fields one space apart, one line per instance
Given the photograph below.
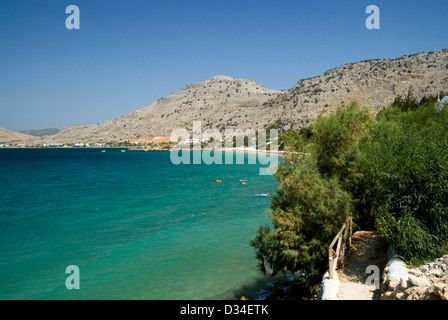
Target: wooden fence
x=341 y=241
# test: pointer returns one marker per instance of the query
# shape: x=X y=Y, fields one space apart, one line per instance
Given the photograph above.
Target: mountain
x=223 y=102
x=8 y=136
x=373 y=83
x=41 y=132
x=219 y=102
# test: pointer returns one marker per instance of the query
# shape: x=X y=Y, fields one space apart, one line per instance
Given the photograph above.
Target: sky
x=129 y=53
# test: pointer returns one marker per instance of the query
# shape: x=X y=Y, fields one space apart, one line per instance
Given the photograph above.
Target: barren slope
x=219 y=102
x=223 y=102
x=7 y=136
x=374 y=83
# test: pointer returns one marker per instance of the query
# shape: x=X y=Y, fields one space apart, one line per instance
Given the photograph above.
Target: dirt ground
x=367 y=248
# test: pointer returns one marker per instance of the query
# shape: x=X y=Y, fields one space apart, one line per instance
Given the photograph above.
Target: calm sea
x=137 y=226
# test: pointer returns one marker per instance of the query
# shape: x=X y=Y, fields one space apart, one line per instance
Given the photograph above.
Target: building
x=442 y=104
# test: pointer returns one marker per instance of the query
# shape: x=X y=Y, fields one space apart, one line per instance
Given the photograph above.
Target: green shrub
x=408 y=161
x=391 y=174
x=336 y=141
x=307 y=212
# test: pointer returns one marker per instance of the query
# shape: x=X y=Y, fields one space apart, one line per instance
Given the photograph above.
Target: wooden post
x=330 y=263
x=344 y=235
x=349 y=242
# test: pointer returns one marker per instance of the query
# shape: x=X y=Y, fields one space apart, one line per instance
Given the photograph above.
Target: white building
x=442 y=104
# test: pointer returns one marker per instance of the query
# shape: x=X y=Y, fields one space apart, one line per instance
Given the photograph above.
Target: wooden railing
x=342 y=241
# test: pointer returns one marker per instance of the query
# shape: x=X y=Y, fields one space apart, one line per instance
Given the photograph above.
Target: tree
x=406 y=104
x=336 y=140
x=308 y=211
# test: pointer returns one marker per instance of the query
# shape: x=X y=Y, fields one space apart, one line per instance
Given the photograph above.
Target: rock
x=371 y=288
x=415 y=293
x=416 y=272
x=387 y=295
x=445 y=296
x=445 y=259
x=399 y=296
x=444 y=278
x=393 y=284
x=384 y=282
x=424 y=269
x=435 y=272
x=404 y=284
x=441 y=290
x=431 y=294
x=417 y=281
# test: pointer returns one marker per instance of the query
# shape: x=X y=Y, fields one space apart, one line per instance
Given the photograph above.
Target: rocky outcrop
x=373 y=83
x=427 y=282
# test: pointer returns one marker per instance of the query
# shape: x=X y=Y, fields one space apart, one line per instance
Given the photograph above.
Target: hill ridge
x=224 y=102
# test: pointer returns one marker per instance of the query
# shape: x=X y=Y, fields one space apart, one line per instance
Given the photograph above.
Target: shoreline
x=146 y=149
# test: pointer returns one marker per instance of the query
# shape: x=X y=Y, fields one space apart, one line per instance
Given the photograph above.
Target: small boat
x=218 y=180
x=103 y=150
x=262 y=195
x=123 y=150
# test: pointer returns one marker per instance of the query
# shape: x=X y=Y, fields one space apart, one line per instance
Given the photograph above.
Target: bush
x=307 y=212
x=391 y=174
x=408 y=159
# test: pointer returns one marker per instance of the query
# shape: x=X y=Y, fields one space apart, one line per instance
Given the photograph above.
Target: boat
x=123 y=150
x=218 y=180
x=262 y=195
x=103 y=150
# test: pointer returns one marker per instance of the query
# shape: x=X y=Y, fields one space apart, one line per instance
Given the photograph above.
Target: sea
x=134 y=225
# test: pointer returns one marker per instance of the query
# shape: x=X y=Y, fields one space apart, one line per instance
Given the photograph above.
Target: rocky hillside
x=8 y=136
x=374 y=83
x=219 y=102
x=223 y=102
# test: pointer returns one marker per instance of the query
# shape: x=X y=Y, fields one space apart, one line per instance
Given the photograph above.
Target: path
x=367 y=248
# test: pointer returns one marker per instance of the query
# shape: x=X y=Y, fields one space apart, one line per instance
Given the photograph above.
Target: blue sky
x=129 y=53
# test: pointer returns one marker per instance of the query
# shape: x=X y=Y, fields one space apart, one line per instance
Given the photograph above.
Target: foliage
x=390 y=174
x=408 y=159
x=311 y=204
x=336 y=140
x=308 y=211
x=406 y=104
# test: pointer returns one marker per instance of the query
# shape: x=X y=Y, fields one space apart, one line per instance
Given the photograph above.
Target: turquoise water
x=137 y=226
